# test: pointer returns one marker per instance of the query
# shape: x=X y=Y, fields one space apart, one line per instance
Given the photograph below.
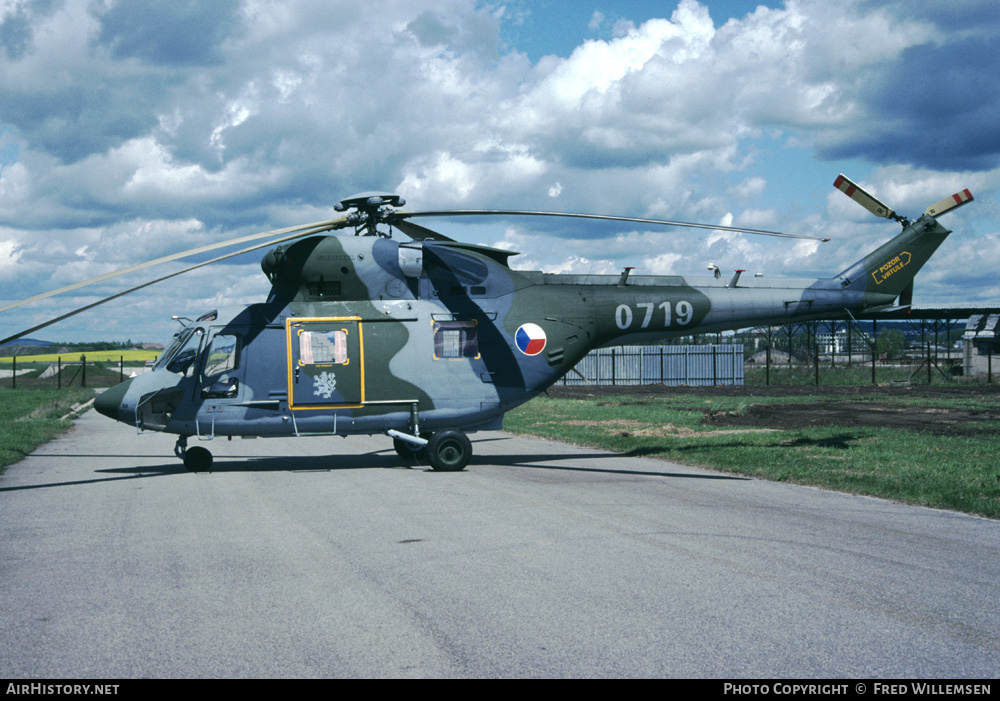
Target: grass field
x=951 y=465
x=30 y=417
x=839 y=376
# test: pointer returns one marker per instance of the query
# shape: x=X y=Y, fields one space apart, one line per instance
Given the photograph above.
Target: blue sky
x=134 y=130
x=545 y=27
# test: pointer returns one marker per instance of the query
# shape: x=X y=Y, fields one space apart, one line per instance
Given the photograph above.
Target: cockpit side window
x=223 y=354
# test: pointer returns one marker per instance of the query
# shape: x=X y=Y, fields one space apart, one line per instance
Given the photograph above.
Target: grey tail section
x=887 y=272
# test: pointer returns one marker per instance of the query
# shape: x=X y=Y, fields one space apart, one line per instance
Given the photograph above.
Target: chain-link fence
x=70 y=371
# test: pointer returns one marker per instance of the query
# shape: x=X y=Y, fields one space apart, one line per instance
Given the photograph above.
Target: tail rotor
x=880 y=209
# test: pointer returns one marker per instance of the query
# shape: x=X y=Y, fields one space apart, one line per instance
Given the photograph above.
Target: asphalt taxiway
x=327 y=557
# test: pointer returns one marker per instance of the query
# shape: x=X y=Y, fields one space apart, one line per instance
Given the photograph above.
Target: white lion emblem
x=324 y=384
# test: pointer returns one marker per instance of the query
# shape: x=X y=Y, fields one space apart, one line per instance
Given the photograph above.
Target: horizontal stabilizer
x=949 y=203
x=856 y=193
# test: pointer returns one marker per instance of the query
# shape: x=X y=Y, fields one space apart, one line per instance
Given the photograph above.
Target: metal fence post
x=767 y=360
x=874 y=347
x=815 y=336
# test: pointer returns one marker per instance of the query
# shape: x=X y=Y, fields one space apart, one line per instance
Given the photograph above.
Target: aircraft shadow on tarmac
x=841 y=441
x=387 y=459
x=530 y=461
x=381 y=459
x=260 y=463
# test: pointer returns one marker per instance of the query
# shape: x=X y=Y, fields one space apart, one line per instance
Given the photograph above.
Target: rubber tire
x=198 y=459
x=407 y=450
x=449 y=451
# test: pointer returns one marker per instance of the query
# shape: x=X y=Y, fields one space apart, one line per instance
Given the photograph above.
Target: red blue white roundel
x=530 y=339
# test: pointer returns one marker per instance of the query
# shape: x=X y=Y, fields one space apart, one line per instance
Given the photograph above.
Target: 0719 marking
x=683 y=312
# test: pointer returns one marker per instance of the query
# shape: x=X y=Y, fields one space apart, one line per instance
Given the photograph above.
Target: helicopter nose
x=109 y=401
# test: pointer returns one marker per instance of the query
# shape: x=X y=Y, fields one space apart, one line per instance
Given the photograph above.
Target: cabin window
x=455 y=339
x=323 y=347
x=222 y=355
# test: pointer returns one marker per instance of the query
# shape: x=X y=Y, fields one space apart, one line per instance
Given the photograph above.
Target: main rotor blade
x=417 y=232
x=313 y=228
x=318 y=229
x=603 y=217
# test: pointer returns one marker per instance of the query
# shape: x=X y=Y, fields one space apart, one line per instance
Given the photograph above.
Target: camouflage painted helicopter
x=429 y=339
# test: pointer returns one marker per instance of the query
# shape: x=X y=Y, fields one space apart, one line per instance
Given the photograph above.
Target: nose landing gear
x=196 y=459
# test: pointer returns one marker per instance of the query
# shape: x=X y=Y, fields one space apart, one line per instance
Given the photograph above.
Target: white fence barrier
x=668 y=365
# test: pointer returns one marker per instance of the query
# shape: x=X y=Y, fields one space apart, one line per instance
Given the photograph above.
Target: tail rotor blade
x=949 y=203
x=863 y=198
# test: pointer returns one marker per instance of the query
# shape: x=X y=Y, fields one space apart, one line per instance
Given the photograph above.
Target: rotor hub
x=372 y=208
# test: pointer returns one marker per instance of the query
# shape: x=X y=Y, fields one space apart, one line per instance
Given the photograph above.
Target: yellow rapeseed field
x=111 y=356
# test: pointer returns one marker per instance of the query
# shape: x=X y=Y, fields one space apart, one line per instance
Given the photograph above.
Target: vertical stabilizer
x=889 y=270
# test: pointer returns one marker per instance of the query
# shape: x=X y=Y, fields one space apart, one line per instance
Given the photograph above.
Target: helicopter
x=431 y=339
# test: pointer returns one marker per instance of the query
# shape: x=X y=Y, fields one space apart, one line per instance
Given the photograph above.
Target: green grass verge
x=30 y=417
x=72 y=376
x=857 y=374
x=951 y=472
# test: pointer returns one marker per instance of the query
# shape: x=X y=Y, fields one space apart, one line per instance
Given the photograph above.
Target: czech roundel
x=530 y=339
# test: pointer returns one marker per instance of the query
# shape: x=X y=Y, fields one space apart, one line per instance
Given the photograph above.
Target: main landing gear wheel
x=198 y=459
x=407 y=450
x=449 y=451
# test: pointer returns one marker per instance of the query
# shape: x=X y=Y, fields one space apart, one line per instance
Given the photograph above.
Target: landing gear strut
x=195 y=459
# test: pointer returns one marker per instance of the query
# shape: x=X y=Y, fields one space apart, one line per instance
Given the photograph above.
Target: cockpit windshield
x=179 y=338
x=182 y=352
